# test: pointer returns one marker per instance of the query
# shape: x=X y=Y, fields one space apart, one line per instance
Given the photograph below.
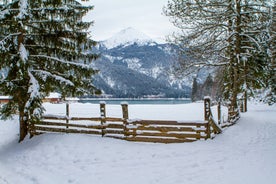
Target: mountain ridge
x=138 y=67
x=126 y=37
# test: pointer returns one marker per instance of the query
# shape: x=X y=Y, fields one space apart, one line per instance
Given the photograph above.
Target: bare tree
x=221 y=33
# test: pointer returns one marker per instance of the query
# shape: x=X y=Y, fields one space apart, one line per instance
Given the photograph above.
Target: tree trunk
x=232 y=61
x=23 y=120
x=23 y=117
x=245 y=87
x=245 y=101
x=234 y=90
x=237 y=55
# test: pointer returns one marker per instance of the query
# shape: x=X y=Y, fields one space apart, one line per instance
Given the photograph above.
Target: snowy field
x=242 y=154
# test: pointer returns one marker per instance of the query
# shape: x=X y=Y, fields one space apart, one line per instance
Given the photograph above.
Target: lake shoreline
x=136 y=100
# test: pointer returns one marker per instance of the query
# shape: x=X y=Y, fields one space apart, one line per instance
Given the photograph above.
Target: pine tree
x=43 y=48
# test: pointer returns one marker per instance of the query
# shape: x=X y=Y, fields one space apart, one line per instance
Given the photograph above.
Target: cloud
x=111 y=16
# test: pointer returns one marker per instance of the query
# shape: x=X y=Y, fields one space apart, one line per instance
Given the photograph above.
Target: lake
x=136 y=101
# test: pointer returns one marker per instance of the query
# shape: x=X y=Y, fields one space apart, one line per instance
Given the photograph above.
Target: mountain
x=127 y=37
x=134 y=65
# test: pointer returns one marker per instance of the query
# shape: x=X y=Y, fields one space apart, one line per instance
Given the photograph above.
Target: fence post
x=230 y=112
x=245 y=102
x=207 y=114
x=31 y=128
x=219 y=112
x=241 y=103
x=207 y=108
x=103 y=116
x=67 y=114
x=125 y=116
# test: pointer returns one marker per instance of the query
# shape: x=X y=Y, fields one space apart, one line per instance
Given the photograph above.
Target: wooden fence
x=133 y=130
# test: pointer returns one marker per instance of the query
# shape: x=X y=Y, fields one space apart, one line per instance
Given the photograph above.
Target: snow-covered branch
x=23 y=9
x=44 y=75
x=84 y=66
x=253 y=40
x=23 y=53
x=4 y=42
x=3 y=13
x=33 y=90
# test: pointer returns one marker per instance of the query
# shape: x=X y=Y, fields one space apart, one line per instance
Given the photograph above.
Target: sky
x=112 y=16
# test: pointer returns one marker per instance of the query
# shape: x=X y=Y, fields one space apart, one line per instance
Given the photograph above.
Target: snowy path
x=243 y=154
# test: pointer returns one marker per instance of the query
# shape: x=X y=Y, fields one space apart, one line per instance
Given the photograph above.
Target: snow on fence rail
x=162 y=131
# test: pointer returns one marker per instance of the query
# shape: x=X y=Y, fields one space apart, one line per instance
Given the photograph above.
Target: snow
x=133 y=63
x=23 y=8
x=34 y=87
x=112 y=58
x=156 y=71
x=176 y=112
x=110 y=82
x=126 y=37
x=45 y=74
x=5 y=97
x=4 y=13
x=54 y=95
x=23 y=53
x=33 y=91
x=243 y=153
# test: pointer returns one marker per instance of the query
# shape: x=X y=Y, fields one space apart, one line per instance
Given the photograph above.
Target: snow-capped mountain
x=127 y=37
x=134 y=65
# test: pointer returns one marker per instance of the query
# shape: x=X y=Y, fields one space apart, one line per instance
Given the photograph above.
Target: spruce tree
x=43 y=48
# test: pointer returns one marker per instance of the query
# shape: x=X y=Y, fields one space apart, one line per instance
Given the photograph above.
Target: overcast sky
x=111 y=16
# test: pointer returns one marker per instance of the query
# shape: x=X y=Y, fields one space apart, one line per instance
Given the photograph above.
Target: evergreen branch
x=56 y=77
x=3 y=43
x=84 y=66
x=33 y=91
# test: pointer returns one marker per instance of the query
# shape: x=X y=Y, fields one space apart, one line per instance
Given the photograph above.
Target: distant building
x=4 y=99
x=53 y=98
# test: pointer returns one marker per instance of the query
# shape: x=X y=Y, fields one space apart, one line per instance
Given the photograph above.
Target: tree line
x=210 y=87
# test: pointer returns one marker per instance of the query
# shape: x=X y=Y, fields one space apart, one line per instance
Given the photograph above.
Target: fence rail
x=162 y=131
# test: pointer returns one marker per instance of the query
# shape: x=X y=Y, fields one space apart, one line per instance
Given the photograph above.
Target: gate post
x=219 y=112
x=103 y=116
x=207 y=108
x=67 y=114
x=125 y=116
x=207 y=114
x=241 y=104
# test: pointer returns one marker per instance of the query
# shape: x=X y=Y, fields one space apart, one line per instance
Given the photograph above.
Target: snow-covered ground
x=242 y=154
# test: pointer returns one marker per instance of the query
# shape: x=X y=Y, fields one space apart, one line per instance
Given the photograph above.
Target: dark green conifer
x=43 y=48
